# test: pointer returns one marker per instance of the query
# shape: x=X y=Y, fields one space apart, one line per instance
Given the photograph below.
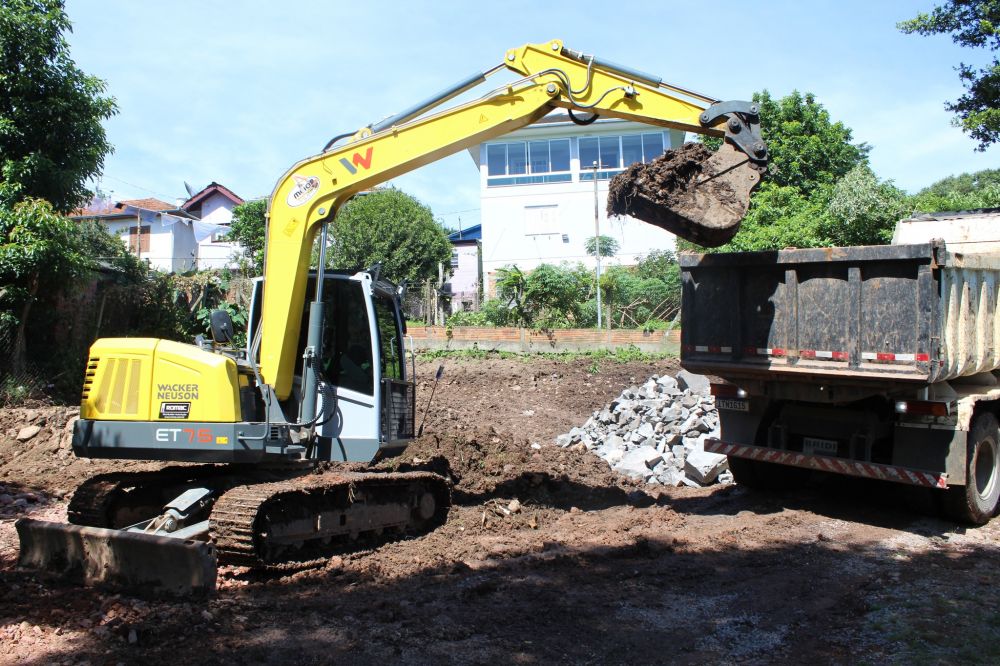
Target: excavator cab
x=367 y=403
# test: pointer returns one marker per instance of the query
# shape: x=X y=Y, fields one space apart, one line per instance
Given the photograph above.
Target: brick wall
x=530 y=340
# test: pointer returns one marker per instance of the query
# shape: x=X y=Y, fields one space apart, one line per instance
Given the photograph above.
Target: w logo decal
x=358 y=161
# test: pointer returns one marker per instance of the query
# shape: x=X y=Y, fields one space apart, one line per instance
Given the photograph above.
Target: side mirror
x=222 y=327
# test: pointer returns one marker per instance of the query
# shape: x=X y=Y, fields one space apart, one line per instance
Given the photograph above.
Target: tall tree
x=965 y=191
x=975 y=24
x=247 y=228
x=605 y=246
x=40 y=251
x=808 y=150
x=51 y=138
x=392 y=228
x=863 y=210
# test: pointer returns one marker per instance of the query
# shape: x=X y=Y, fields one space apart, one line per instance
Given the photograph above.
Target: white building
x=537 y=192
x=153 y=230
x=214 y=205
x=172 y=238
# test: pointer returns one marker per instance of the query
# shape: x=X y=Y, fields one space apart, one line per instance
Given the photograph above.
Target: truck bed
x=873 y=316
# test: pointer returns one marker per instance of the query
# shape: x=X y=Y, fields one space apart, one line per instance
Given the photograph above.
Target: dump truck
x=324 y=380
x=877 y=361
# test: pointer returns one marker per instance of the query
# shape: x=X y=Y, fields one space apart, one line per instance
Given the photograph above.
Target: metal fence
x=16 y=385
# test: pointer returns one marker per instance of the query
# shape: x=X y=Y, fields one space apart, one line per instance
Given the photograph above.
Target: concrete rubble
x=656 y=432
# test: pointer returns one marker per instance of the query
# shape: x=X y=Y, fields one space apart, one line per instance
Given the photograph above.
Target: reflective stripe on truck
x=829 y=464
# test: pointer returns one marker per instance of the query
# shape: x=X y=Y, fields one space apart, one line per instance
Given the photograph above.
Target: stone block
x=639 y=462
x=696 y=383
x=27 y=432
x=704 y=467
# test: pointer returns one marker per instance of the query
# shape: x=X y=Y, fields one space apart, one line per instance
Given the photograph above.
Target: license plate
x=813 y=446
x=733 y=404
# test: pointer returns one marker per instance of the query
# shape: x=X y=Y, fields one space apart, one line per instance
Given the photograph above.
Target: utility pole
x=597 y=245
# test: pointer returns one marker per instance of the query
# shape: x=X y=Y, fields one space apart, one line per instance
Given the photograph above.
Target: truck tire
x=976 y=501
x=761 y=475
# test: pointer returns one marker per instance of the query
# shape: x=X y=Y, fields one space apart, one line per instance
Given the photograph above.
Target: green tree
x=808 y=150
x=102 y=248
x=51 y=138
x=966 y=191
x=662 y=266
x=40 y=252
x=511 y=285
x=248 y=228
x=780 y=217
x=553 y=295
x=965 y=183
x=974 y=24
x=863 y=210
x=605 y=246
x=389 y=227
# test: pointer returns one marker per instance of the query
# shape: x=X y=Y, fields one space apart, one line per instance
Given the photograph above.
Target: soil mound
x=699 y=195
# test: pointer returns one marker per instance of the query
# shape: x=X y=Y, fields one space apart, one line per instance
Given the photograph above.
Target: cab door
x=350 y=420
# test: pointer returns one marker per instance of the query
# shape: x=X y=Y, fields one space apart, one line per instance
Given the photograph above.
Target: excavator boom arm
x=311 y=192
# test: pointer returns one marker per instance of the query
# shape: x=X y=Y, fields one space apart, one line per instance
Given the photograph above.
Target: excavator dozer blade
x=154 y=565
x=698 y=195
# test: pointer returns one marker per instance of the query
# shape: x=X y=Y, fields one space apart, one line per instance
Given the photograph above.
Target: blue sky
x=237 y=92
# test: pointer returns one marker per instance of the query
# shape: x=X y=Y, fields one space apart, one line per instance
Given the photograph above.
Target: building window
x=541 y=220
x=138 y=238
x=526 y=162
x=454 y=258
x=221 y=236
x=614 y=153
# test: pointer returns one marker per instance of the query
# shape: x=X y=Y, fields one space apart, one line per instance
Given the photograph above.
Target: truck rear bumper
x=830 y=464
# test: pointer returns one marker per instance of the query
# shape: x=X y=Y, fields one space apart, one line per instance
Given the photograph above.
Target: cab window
x=390 y=340
x=347 y=342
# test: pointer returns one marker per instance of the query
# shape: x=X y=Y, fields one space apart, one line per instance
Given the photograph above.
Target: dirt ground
x=592 y=569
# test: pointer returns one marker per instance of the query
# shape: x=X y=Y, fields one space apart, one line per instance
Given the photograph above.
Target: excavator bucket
x=698 y=195
x=156 y=565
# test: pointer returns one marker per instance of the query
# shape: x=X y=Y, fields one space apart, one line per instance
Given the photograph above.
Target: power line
x=138 y=187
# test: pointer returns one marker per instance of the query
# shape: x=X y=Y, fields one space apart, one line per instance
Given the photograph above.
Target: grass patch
x=596 y=356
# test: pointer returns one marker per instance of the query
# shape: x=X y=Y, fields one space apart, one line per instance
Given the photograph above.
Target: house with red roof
x=173 y=238
x=154 y=230
x=214 y=205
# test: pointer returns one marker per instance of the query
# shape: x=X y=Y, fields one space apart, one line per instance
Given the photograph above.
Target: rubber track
x=251 y=490
x=234 y=515
x=93 y=500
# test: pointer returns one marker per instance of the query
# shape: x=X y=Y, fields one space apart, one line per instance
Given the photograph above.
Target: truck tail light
x=727 y=391
x=923 y=408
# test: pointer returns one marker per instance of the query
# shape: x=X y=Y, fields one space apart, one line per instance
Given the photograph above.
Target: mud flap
x=156 y=565
x=692 y=192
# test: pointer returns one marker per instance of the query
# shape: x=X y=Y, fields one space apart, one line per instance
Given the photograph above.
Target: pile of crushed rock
x=656 y=432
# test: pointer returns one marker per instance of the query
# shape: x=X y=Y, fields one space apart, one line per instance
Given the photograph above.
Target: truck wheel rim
x=986 y=476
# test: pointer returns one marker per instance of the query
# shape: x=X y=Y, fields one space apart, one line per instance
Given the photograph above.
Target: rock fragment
x=703 y=466
x=27 y=432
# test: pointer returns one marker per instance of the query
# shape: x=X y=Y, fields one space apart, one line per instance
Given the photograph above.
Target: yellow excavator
x=321 y=387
